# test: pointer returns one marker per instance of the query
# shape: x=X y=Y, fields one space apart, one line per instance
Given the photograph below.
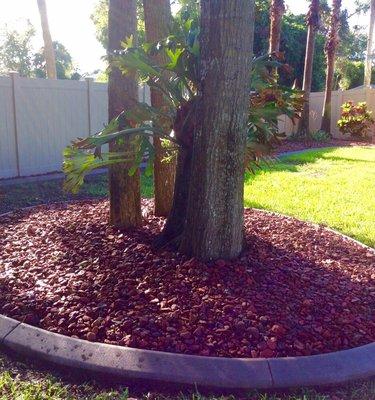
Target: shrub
x=320 y=136
x=356 y=120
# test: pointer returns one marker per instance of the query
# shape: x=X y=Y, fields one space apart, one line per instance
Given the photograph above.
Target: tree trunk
x=49 y=52
x=330 y=50
x=175 y=223
x=157 y=24
x=214 y=220
x=313 y=25
x=370 y=47
x=124 y=190
x=276 y=14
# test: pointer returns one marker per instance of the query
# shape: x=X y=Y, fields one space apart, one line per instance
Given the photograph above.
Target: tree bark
x=313 y=25
x=214 y=220
x=330 y=50
x=370 y=47
x=49 y=52
x=276 y=14
x=157 y=24
x=124 y=190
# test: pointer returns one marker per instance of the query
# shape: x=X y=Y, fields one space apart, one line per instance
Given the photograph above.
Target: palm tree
x=214 y=219
x=124 y=189
x=330 y=51
x=157 y=14
x=370 y=47
x=276 y=14
x=313 y=21
x=49 y=52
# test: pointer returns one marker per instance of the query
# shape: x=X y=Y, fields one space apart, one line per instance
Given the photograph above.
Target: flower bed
x=298 y=289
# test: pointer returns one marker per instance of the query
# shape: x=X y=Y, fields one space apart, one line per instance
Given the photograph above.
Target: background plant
x=356 y=120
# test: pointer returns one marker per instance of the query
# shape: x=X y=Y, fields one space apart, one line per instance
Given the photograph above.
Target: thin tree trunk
x=185 y=126
x=370 y=47
x=330 y=49
x=276 y=14
x=157 y=24
x=124 y=190
x=327 y=111
x=214 y=221
x=49 y=52
x=313 y=24
x=175 y=223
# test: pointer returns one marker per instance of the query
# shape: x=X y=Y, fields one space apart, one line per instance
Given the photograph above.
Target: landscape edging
x=218 y=373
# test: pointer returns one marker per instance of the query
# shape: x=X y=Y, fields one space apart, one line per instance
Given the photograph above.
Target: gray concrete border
x=187 y=370
x=217 y=373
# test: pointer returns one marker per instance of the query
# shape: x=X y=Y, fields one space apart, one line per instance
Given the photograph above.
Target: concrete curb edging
x=187 y=370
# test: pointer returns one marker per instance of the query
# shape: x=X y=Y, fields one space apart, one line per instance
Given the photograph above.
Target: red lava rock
x=296 y=290
x=308 y=303
x=31 y=230
x=272 y=343
x=91 y=336
x=298 y=345
x=278 y=330
x=267 y=353
x=221 y=263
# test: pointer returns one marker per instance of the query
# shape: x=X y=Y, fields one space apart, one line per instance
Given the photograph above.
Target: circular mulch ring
x=298 y=289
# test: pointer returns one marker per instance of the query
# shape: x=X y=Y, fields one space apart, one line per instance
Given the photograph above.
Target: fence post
x=15 y=93
x=89 y=102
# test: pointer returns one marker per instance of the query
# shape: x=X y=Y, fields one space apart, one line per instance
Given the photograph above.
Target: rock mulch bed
x=298 y=289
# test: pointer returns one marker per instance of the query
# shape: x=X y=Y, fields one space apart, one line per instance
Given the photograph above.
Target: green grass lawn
x=30 y=381
x=335 y=187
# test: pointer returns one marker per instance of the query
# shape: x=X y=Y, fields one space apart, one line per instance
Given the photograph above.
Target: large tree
x=49 y=52
x=124 y=188
x=313 y=26
x=64 y=62
x=330 y=51
x=214 y=220
x=158 y=18
x=16 y=50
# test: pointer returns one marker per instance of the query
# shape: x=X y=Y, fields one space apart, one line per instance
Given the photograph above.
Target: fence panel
x=39 y=117
x=338 y=98
x=50 y=113
x=8 y=157
x=99 y=106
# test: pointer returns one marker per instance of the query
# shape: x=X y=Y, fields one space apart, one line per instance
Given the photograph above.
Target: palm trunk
x=370 y=47
x=276 y=14
x=124 y=190
x=214 y=220
x=157 y=23
x=313 y=24
x=49 y=52
x=330 y=49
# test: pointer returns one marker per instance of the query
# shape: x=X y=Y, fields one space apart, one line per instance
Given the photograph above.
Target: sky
x=70 y=24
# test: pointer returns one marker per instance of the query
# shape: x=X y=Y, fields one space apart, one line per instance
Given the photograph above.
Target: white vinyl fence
x=39 y=117
x=338 y=98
